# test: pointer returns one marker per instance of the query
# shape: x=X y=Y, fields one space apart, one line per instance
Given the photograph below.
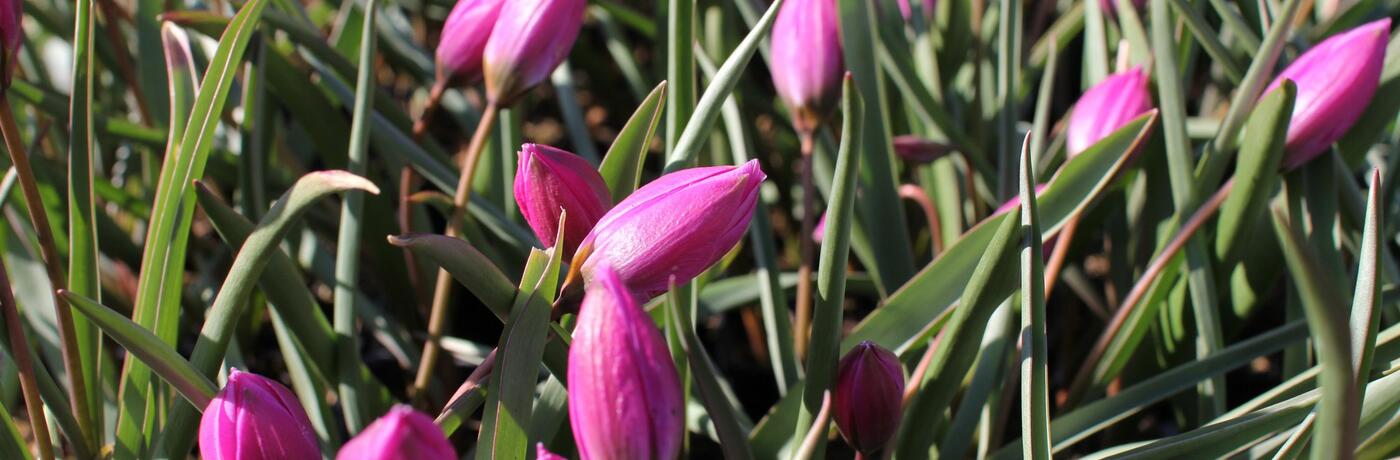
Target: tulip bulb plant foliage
x=745 y=229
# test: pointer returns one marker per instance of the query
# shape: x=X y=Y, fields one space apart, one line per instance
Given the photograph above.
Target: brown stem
x=437 y=316
x=407 y=182
x=39 y=220
x=1149 y=276
x=38 y=216
x=808 y=248
x=19 y=349
x=1057 y=257
x=420 y=127
x=916 y=194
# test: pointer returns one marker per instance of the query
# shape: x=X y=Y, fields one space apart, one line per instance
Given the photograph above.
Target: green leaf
x=466 y=265
x=12 y=445
x=1256 y=175
x=508 y=405
x=880 y=211
x=622 y=165
x=733 y=439
x=350 y=388
x=255 y=254
x=162 y=266
x=680 y=73
x=82 y=232
x=824 y=350
x=168 y=364
x=910 y=310
x=1365 y=303
x=707 y=110
x=1035 y=392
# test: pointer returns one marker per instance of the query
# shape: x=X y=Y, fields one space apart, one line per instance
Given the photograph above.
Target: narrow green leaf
x=1336 y=433
x=733 y=437
x=347 y=257
x=622 y=165
x=162 y=265
x=680 y=73
x=1209 y=39
x=222 y=317
x=168 y=364
x=466 y=265
x=1035 y=393
x=12 y=445
x=824 y=349
x=707 y=110
x=82 y=232
x=1365 y=303
x=1256 y=175
x=880 y=211
x=504 y=431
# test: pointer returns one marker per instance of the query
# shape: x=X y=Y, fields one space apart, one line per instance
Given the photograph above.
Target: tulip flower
x=530 y=39
x=1336 y=79
x=624 y=392
x=917 y=150
x=401 y=434
x=867 y=401
x=255 y=418
x=676 y=226
x=1109 y=105
x=464 y=37
x=807 y=65
x=548 y=180
x=544 y=454
x=11 y=35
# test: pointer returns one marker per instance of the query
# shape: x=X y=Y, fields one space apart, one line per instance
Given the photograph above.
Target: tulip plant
x=748 y=229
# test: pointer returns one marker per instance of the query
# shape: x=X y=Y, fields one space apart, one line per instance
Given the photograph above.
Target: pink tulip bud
x=548 y=180
x=867 y=401
x=464 y=37
x=807 y=65
x=1336 y=79
x=676 y=226
x=530 y=39
x=917 y=150
x=11 y=36
x=255 y=418
x=1107 y=106
x=819 y=231
x=401 y=434
x=624 y=393
x=544 y=454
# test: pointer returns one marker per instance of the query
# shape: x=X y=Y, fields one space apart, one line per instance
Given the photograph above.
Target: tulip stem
x=1059 y=254
x=437 y=314
x=420 y=127
x=19 y=350
x=808 y=247
x=72 y=362
x=916 y=194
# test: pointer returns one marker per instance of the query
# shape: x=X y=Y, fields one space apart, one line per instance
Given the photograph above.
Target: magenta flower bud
x=907 y=12
x=819 y=231
x=464 y=37
x=917 y=150
x=401 y=434
x=530 y=39
x=807 y=65
x=867 y=401
x=1109 y=105
x=676 y=226
x=548 y=180
x=1336 y=79
x=11 y=36
x=624 y=393
x=255 y=418
x=542 y=453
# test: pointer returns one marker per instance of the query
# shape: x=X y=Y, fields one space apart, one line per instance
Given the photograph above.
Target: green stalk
x=347 y=257
x=82 y=232
x=39 y=218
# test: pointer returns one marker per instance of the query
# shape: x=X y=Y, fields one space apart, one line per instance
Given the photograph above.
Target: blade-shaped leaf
x=622 y=165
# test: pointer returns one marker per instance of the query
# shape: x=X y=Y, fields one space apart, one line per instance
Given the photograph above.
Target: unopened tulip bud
x=530 y=39
x=542 y=453
x=917 y=150
x=548 y=180
x=1336 y=79
x=255 y=418
x=1109 y=105
x=676 y=226
x=464 y=37
x=807 y=65
x=624 y=392
x=11 y=35
x=867 y=401
x=401 y=434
